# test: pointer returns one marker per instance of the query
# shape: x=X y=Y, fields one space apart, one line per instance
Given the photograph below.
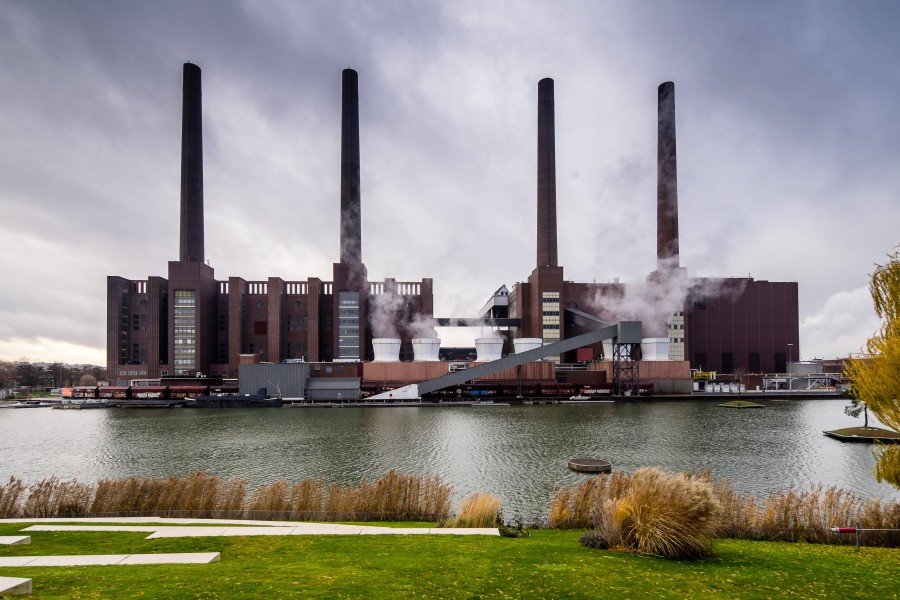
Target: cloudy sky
x=787 y=147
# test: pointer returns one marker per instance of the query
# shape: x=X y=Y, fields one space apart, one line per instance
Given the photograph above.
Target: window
x=184 y=329
x=348 y=325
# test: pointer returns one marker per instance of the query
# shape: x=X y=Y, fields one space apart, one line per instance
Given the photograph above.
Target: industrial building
x=190 y=323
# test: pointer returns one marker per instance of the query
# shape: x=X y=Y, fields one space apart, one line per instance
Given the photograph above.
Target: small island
x=866 y=435
x=742 y=404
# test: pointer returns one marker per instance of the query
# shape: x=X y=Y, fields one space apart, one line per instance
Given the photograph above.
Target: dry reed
x=788 y=515
x=477 y=510
x=9 y=498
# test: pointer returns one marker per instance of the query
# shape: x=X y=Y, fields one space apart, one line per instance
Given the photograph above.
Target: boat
x=260 y=399
x=21 y=405
x=582 y=399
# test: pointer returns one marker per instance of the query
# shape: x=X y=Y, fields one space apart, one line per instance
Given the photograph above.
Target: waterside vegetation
x=549 y=564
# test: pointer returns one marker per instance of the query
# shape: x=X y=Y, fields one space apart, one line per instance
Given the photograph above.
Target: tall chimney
x=351 y=236
x=666 y=182
x=546 y=184
x=191 y=240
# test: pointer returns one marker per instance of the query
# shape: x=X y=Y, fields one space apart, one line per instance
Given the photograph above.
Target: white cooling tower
x=525 y=344
x=386 y=349
x=655 y=349
x=426 y=349
x=489 y=348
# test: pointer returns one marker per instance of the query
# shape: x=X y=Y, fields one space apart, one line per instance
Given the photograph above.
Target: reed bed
x=395 y=496
x=477 y=510
x=788 y=515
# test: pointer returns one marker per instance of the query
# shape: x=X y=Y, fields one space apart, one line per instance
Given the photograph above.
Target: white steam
x=391 y=313
x=655 y=300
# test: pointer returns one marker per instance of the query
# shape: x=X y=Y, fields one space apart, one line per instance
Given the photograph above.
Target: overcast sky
x=787 y=147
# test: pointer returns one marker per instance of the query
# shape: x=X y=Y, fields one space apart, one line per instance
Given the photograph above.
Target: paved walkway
x=168 y=528
x=181 y=558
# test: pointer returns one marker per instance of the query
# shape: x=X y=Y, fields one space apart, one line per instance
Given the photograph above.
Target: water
x=516 y=452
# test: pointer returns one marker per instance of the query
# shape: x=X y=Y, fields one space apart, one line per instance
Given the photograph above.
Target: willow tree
x=876 y=375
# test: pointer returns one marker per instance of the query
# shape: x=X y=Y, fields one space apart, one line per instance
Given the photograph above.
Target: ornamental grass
x=787 y=515
x=394 y=497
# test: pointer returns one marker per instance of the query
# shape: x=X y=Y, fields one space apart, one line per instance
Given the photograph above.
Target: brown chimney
x=666 y=182
x=191 y=235
x=351 y=235
x=546 y=183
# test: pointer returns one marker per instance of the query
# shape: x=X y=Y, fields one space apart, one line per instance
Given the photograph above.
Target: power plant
x=354 y=338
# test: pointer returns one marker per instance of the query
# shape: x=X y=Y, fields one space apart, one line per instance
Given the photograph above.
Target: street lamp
x=788 y=369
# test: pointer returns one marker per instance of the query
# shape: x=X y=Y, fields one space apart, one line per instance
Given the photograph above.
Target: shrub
x=668 y=515
x=594 y=539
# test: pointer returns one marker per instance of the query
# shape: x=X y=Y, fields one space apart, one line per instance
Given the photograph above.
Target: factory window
x=184 y=332
x=260 y=327
x=348 y=314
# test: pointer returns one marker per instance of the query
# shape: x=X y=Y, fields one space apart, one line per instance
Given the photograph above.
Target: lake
x=518 y=452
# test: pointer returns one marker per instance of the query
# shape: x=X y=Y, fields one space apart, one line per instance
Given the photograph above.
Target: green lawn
x=551 y=564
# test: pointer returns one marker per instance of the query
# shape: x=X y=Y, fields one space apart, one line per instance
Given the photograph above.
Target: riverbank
x=548 y=564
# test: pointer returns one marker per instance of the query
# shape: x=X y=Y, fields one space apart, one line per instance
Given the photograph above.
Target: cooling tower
x=386 y=349
x=426 y=349
x=489 y=348
x=607 y=350
x=525 y=344
x=655 y=349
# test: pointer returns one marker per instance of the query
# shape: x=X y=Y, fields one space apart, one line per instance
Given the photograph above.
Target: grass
x=867 y=432
x=550 y=564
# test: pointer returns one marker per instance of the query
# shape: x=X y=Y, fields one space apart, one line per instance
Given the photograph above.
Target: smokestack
x=666 y=182
x=191 y=239
x=351 y=236
x=546 y=185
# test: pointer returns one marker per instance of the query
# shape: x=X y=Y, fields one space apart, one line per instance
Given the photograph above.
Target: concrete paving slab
x=110 y=559
x=82 y=560
x=15 y=586
x=14 y=540
x=181 y=558
x=254 y=530
x=465 y=531
x=325 y=529
x=15 y=561
x=134 y=528
x=393 y=531
x=179 y=532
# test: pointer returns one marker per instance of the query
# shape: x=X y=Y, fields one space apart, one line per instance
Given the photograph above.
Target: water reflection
x=516 y=452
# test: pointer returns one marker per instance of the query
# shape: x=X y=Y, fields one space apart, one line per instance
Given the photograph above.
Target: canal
x=516 y=452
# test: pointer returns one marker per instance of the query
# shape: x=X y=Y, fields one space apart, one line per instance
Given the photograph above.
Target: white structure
x=489 y=348
x=386 y=349
x=655 y=349
x=426 y=349
x=525 y=344
x=607 y=350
